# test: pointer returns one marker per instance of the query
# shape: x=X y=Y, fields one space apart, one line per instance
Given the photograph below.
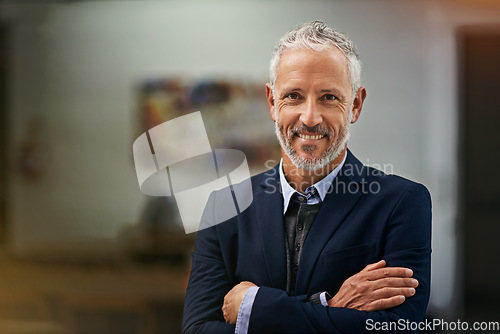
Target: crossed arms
x=375 y=288
x=384 y=291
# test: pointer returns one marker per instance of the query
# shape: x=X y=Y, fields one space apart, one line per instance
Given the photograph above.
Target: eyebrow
x=335 y=92
x=287 y=91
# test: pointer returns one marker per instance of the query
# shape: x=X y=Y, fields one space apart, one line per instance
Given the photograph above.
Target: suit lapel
x=270 y=223
x=341 y=198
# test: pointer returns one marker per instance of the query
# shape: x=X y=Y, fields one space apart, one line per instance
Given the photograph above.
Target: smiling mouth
x=310 y=137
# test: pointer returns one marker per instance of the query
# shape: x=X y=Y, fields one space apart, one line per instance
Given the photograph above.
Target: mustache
x=317 y=129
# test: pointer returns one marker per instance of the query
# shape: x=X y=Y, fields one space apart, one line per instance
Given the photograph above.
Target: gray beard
x=313 y=163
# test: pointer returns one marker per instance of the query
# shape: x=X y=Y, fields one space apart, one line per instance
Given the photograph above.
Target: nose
x=310 y=116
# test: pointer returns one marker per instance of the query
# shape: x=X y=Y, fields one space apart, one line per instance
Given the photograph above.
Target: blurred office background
x=78 y=253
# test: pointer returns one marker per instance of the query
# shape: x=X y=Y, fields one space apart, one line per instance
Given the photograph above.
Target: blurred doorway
x=480 y=180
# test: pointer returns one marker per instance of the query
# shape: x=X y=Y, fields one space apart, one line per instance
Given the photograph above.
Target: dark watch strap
x=315 y=297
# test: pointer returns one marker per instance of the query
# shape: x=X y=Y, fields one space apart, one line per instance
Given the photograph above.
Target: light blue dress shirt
x=287 y=191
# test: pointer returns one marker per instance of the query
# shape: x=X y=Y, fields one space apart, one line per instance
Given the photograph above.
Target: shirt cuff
x=245 y=310
x=322 y=298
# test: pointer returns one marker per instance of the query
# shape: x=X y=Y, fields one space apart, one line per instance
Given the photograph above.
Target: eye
x=292 y=96
x=329 y=97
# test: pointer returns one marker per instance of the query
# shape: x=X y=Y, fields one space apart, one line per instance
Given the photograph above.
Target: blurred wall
x=75 y=66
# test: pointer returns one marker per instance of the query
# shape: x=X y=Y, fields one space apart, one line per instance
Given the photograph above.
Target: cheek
x=286 y=117
x=336 y=119
x=281 y=108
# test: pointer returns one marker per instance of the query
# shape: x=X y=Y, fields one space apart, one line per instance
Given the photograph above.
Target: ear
x=270 y=101
x=357 y=104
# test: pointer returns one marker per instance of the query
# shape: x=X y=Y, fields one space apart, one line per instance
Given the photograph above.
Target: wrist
x=334 y=302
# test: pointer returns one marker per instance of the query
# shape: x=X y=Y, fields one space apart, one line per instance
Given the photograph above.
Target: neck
x=300 y=179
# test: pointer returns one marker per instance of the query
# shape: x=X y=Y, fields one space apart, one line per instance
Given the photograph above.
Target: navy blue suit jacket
x=366 y=216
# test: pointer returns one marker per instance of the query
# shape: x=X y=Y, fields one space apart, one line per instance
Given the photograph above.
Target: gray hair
x=315 y=35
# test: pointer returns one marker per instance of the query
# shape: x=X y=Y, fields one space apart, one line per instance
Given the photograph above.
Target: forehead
x=307 y=66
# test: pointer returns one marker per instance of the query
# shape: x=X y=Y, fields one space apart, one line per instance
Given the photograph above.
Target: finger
x=224 y=315
x=376 y=274
x=385 y=303
x=373 y=266
x=392 y=282
x=391 y=292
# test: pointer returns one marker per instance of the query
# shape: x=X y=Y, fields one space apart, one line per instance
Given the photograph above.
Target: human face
x=312 y=106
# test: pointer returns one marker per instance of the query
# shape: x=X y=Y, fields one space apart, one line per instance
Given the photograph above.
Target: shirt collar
x=321 y=186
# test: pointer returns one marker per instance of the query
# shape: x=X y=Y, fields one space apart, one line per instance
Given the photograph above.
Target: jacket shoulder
x=396 y=184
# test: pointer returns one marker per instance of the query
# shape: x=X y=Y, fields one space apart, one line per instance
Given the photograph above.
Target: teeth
x=309 y=137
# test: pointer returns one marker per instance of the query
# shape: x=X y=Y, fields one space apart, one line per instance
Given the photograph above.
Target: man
x=321 y=224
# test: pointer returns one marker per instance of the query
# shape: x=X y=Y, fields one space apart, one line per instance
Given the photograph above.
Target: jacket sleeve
x=407 y=244
x=208 y=284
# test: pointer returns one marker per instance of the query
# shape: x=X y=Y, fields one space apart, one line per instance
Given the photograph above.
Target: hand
x=232 y=301
x=375 y=288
